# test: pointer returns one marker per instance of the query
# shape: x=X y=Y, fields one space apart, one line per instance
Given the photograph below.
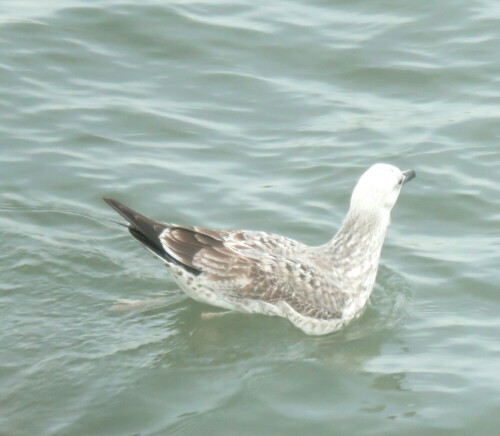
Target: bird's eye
x=401 y=181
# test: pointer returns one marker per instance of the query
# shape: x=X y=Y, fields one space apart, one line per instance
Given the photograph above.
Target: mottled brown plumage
x=320 y=289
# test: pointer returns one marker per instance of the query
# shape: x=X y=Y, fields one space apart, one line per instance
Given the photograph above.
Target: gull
x=320 y=289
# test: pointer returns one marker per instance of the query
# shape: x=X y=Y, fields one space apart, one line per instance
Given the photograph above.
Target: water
x=246 y=115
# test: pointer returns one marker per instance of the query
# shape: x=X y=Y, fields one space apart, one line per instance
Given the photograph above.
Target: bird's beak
x=408 y=175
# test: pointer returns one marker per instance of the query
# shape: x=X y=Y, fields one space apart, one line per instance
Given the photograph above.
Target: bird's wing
x=242 y=266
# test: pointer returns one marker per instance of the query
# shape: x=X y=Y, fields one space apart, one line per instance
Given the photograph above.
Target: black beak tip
x=409 y=175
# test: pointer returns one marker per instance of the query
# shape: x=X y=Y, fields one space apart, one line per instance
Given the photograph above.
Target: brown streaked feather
x=250 y=271
x=184 y=242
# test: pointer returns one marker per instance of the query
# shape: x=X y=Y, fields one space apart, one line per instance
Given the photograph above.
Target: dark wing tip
x=147 y=232
x=133 y=217
x=113 y=203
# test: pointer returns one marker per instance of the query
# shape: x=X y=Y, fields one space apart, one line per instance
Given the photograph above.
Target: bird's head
x=378 y=188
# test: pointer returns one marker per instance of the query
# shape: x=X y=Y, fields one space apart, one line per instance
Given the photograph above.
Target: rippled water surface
x=255 y=115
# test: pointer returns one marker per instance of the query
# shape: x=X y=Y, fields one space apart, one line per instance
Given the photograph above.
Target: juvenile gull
x=319 y=289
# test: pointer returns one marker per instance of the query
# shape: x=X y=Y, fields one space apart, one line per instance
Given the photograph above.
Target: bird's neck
x=362 y=230
x=355 y=250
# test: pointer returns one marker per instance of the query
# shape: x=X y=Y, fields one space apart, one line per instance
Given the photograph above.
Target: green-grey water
x=254 y=115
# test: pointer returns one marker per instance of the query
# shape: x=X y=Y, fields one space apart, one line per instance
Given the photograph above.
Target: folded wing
x=241 y=265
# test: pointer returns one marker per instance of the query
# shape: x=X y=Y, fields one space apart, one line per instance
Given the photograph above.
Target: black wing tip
x=133 y=217
x=113 y=203
x=146 y=231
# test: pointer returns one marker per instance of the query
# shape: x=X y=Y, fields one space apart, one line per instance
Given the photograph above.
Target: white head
x=378 y=188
